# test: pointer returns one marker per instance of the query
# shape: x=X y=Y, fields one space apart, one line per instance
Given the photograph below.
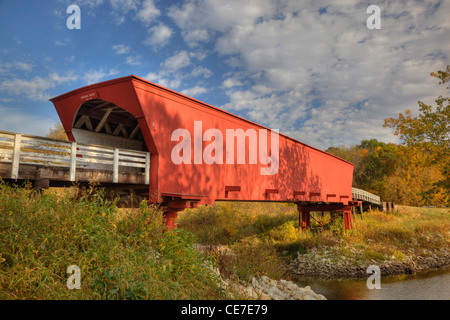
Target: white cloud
x=121 y=8
x=148 y=12
x=158 y=36
x=217 y=15
x=36 y=88
x=231 y=82
x=125 y=5
x=121 y=49
x=201 y=72
x=179 y=60
x=94 y=76
x=195 y=91
x=90 y=3
x=173 y=70
x=133 y=60
x=171 y=82
x=18 y=65
x=194 y=37
x=70 y=59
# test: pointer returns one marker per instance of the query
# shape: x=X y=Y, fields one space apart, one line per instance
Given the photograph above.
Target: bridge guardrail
x=359 y=194
x=19 y=149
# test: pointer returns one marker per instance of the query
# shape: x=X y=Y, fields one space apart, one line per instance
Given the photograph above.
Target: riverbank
x=263 y=239
x=327 y=263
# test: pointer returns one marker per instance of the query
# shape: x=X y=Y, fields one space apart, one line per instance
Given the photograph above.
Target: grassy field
x=122 y=254
x=265 y=236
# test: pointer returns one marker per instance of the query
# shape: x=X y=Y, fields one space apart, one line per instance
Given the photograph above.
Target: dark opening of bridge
x=104 y=123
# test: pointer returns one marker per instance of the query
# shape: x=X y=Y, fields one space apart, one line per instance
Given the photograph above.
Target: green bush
x=121 y=254
x=287 y=232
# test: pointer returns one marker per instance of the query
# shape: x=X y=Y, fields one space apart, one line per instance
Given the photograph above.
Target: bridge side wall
x=312 y=174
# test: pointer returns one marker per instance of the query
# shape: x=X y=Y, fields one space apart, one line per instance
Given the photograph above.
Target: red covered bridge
x=200 y=154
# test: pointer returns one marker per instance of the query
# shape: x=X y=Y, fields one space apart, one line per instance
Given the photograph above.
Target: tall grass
x=122 y=254
x=265 y=236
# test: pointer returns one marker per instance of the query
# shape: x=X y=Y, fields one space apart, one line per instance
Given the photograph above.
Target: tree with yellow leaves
x=429 y=131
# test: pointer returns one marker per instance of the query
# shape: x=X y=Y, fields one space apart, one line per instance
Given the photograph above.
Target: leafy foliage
x=396 y=173
x=121 y=254
x=429 y=131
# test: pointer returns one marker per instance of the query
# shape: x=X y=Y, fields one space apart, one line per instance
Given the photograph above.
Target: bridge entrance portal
x=103 y=123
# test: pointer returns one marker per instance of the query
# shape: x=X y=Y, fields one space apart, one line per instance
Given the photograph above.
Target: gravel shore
x=327 y=264
x=264 y=288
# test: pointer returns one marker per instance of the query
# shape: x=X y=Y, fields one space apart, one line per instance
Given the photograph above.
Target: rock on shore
x=265 y=288
x=329 y=264
x=262 y=287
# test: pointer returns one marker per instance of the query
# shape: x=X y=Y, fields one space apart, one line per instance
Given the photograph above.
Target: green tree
x=429 y=131
x=373 y=161
x=397 y=173
x=358 y=157
x=381 y=161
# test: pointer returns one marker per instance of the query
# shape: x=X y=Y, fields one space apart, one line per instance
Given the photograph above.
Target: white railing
x=360 y=194
x=25 y=149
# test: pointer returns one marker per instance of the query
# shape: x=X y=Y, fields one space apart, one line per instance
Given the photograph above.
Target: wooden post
x=42 y=184
x=147 y=168
x=361 y=209
x=116 y=166
x=347 y=220
x=73 y=161
x=16 y=156
x=306 y=220
x=170 y=217
x=353 y=215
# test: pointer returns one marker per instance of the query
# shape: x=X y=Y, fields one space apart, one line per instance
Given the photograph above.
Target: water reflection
x=433 y=285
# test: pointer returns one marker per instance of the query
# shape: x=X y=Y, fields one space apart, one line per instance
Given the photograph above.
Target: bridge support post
x=304 y=218
x=347 y=220
x=170 y=217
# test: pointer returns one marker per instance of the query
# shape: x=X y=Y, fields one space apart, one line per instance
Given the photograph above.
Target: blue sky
x=311 y=69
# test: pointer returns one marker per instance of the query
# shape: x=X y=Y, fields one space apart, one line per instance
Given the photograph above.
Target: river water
x=431 y=285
